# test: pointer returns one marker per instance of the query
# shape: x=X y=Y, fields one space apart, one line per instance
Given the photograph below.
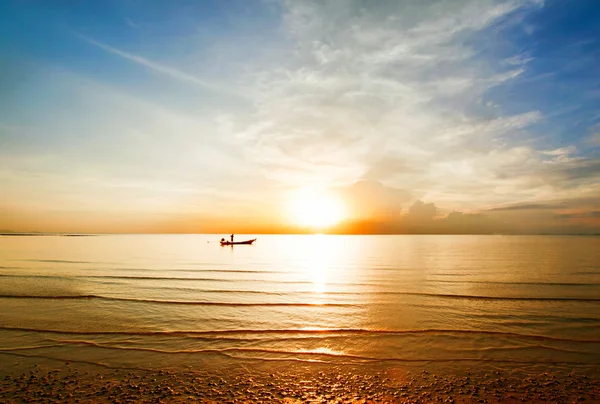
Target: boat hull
x=247 y=242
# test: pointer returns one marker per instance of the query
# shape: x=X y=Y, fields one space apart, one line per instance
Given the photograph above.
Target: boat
x=238 y=242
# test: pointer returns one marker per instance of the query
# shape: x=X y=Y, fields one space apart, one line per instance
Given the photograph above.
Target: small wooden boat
x=238 y=242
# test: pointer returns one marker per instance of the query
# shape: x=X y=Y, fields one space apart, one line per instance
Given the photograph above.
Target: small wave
x=192 y=303
x=195 y=270
x=63 y=261
x=518 y=283
x=159 y=278
x=191 y=270
x=238 y=291
x=100 y=364
x=416 y=360
x=515 y=298
x=224 y=271
x=170 y=278
x=529 y=348
x=28 y=348
x=435 y=295
x=303 y=331
x=298 y=354
x=432 y=360
x=216 y=350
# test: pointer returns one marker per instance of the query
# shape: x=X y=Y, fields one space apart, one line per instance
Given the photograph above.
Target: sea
x=448 y=303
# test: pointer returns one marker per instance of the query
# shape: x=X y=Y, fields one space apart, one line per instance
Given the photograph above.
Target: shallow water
x=183 y=301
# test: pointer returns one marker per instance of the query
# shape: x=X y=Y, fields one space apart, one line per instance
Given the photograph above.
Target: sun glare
x=315 y=209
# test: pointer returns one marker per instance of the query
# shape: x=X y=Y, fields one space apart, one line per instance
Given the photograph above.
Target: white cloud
x=560 y=152
x=519 y=60
x=388 y=91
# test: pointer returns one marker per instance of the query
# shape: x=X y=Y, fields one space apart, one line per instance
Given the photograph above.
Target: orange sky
x=368 y=208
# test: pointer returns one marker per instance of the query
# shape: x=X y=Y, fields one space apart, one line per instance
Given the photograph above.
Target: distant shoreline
x=47 y=234
x=286 y=234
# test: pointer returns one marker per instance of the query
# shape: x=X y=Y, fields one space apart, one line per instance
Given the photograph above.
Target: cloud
x=168 y=71
x=562 y=155
x=580 y=215
x=385 y=167
x=594 y=136
x=422 y=211
x=530 y=206
x=131 y=24
x=561 y=152
x=371 y=200
x=391 y=93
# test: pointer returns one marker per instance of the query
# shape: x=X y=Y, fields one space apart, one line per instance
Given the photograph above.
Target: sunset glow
x=305 y=200
x=315 y=209
x=437 y=117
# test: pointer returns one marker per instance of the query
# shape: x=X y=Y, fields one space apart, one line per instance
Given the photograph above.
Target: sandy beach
x=288 y=384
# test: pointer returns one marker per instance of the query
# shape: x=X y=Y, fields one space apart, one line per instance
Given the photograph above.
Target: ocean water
x=457 y=303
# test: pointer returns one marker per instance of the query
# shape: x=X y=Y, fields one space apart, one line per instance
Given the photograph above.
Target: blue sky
x=171 y=112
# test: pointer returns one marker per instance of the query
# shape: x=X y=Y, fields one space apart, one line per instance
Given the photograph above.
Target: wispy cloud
x=530 y=206
x=166 y=70
x=581 y=215
x=594 y=136
x=394 y=94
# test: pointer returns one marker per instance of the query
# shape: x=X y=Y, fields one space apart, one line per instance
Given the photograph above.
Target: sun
x=316 y=209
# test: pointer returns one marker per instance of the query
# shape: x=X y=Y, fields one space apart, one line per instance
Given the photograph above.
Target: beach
x=294 y=384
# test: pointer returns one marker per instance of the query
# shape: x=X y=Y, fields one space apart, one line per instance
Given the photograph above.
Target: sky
x=457 y=116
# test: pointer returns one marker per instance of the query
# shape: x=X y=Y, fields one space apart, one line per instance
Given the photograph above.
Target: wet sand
x=290 y=384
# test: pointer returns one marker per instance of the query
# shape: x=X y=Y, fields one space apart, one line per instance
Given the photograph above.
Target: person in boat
x=232 y=238
x=222 y=240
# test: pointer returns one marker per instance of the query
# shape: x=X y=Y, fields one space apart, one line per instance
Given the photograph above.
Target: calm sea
x=183 y=301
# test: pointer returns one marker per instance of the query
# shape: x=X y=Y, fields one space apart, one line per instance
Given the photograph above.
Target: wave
x=441 y=360
x=244 y=271
x=100 y=364
x=242 y=291
x=235 y=271
x=301 y=352
x=518 y=283
x=215 y=270
x=160 y=278
x=532 y=347
x=297 y=356
x=516 y=298
x=194 y=303
x=64 y=261
x=28 y=348
x=307 y=331
x=215 y=350
x=435 y=295
x=307 y=361
x=300 y=282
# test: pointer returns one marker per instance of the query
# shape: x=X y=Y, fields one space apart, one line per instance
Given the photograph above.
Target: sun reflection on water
x=318 y=265
x=323 y=351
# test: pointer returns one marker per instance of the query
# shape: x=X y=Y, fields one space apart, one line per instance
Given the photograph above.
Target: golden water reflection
x=323 y=259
